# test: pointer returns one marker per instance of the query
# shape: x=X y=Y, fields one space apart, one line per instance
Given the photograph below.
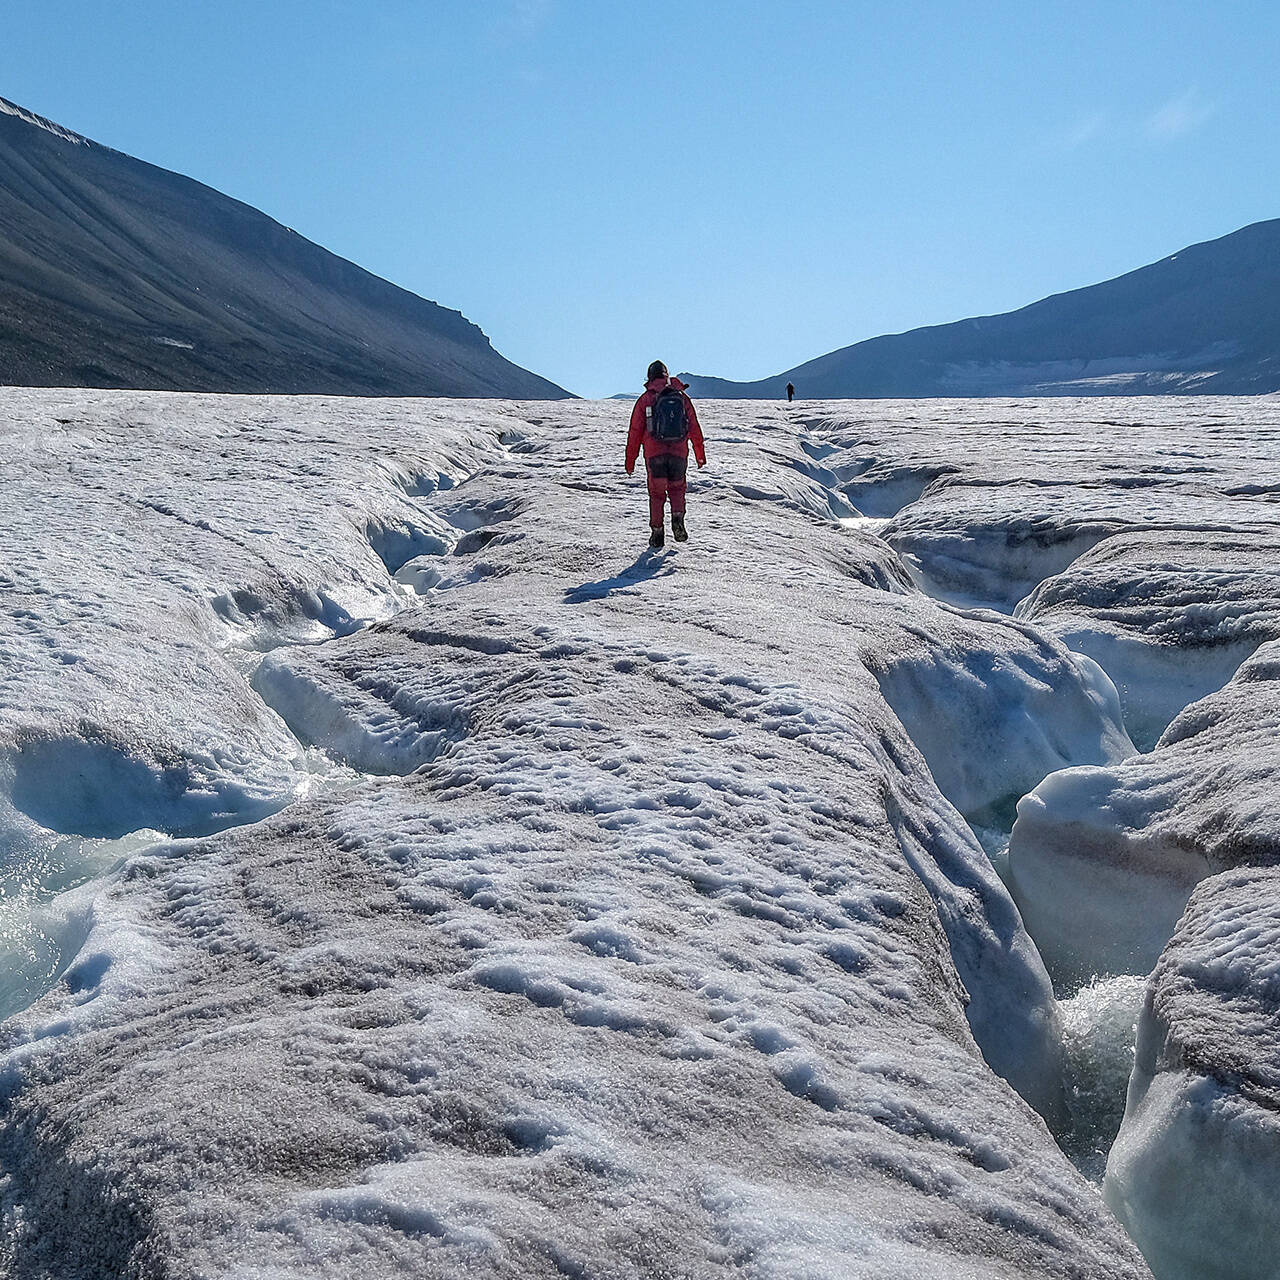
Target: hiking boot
x=657 y=538
x=679 y=532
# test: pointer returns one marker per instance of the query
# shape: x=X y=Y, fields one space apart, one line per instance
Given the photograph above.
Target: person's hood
x=657 y=384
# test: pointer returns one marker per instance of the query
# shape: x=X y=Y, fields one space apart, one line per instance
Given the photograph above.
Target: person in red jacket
x=666 y=457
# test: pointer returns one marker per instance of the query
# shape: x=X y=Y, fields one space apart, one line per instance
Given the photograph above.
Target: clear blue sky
x=734 y=187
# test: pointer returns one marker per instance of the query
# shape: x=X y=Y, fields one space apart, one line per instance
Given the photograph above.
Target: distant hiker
x=791 y=393
x=665 y=423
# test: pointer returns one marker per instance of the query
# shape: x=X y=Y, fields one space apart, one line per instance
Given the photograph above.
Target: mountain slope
x=1206 y=319
x=115 y=273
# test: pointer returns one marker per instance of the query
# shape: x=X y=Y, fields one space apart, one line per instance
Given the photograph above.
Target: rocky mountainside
x=1205 y=319
x=115 y=273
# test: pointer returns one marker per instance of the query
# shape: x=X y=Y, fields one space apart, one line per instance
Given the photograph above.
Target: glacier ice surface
x=1126 y=843
x=1195 y=1168
x=1169 y=614
x=653 y=936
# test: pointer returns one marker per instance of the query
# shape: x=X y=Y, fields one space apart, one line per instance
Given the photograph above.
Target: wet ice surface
x=145 y=547
x=660 y=937
x=37 y=926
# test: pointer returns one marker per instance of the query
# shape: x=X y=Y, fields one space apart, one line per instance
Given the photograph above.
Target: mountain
x=1205 y=319
x=115 y=273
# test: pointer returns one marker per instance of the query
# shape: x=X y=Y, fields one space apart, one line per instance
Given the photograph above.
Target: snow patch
x=29 y=117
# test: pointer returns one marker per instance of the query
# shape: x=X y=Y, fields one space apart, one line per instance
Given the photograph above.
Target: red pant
x=666 y=480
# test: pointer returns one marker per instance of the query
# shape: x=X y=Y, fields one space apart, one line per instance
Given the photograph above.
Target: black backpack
x=667 y=417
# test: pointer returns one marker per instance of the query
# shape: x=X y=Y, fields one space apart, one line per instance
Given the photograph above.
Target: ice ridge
x=30 y=117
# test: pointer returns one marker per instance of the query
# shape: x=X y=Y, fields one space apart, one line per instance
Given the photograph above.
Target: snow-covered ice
x=1195 y=1170
x=613 y=914
x=1170 y=615
x=136 y=575
x=987 y=499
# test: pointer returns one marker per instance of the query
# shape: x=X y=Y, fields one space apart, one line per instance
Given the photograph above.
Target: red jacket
x=638 y=435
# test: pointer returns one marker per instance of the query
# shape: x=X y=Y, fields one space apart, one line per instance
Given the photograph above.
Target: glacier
x=1142 y=834
x=1194 y=1169
x=405 y=870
